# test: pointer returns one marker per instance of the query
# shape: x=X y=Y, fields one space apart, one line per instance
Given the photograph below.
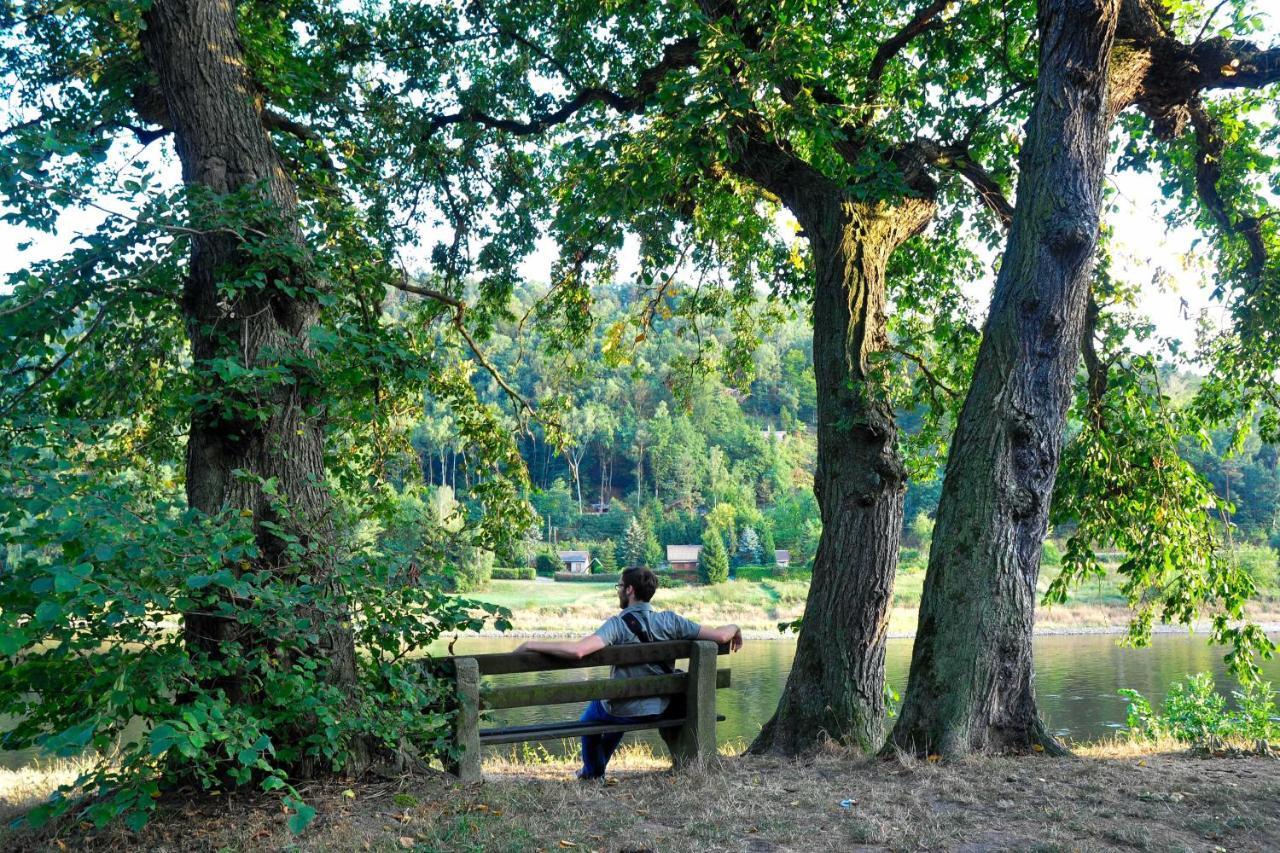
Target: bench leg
x=695 y=741
x=467 y=725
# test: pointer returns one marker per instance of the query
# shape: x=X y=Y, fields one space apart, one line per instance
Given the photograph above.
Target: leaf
x=302 y=815
x=136 y=819
x=162 y=739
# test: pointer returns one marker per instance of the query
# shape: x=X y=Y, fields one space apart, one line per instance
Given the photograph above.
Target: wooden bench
x=689 y=738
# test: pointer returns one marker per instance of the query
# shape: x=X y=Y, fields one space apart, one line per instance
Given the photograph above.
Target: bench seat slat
x=523 y=695
x=553 y=731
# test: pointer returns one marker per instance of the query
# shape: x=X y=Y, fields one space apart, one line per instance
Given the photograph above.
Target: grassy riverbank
x=1114 y=797
x=542 y=607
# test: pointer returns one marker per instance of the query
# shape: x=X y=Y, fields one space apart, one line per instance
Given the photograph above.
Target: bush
x=514 y=573
x=574 y=577
x=82 y=657
x=547 y=564
x=912 y=560
x=755 y=573
x=1194 y=712
x=471 y=569
x=1050 y=556
x=1260 y=563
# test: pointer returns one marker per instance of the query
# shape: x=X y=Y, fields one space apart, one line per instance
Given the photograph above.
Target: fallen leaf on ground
x=407 y=842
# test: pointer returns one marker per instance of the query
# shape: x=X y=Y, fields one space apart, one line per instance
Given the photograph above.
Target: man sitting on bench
x=637 y=623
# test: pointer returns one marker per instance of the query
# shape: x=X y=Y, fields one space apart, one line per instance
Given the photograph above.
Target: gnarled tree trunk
x=274 y=429
x=972 y=682
x=836 y=685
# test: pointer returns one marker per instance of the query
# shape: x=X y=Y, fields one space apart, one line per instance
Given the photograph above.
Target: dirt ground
x=1105 y=798
x=1102 y=799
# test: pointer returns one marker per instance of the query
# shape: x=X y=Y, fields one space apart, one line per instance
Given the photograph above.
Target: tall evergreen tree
x=713 y=560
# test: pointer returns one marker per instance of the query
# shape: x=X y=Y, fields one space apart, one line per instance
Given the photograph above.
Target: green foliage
x=749 y=550
x=768 y=555
x=513 y=573
x=640 y=546
x=921 y=530
x=1194 y=712
x=1127 y=487
x=472 y=569
x=713 y=560
x=547 y=564
x=580 y=577
x=91 y=611
x=606 y=560
x=1262 y=564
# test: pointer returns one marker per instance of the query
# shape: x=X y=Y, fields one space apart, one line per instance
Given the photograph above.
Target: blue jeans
x=598 y=749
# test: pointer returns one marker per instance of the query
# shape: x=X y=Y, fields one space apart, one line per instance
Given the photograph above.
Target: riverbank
x=551 y=609
x=1108 y=797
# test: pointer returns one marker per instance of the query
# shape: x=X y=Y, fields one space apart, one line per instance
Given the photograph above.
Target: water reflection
x=1077 y=680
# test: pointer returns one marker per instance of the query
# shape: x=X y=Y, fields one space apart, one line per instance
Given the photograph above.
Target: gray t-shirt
x=661 y=625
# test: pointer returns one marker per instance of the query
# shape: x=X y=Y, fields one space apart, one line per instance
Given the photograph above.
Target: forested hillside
x=696 y=426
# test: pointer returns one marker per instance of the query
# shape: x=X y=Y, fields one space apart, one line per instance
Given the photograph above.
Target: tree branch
x=459 y=312
x=679 y=54
x=934 y=381
x=272 y=120
x=925 y=19
x=956 y=158
x=1208 y=157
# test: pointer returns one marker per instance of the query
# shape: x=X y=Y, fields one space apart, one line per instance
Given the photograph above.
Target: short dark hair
x=643 y=581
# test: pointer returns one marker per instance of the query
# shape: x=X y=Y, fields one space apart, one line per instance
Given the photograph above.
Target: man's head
x=637 y=584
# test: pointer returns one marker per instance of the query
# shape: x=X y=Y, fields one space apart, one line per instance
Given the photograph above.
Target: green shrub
x=573 y=577
x=912 y=560
x=471 y=569
x=514 y=573
x=755 y=573
x=546 y=564
x=1050 y=556
x=105 y=556
x=1194 y=712
x=1260 y=562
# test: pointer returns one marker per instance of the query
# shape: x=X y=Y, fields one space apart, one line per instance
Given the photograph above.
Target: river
x=1077 y=679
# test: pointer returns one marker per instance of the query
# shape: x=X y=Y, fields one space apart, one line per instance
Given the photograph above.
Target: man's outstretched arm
x=570 y=649
x=730 y=634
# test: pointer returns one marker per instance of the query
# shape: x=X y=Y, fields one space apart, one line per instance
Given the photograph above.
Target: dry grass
x=1110 y=797
x=26 y=787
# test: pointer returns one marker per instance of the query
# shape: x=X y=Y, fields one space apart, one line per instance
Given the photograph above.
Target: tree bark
x=972 y=681
x=836 y=686
x=276 y=428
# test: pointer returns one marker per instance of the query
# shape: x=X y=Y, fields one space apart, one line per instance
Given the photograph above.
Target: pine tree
x=607 y=561
x=635 y=544
x=768 y=549
x=713 y=561
x=748 y=547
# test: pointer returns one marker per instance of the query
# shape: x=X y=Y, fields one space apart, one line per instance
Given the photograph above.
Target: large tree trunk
x=836 y=685
x=276 y=428
x=972 y=682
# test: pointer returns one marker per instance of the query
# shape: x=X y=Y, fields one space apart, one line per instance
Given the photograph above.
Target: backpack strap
x=642 y=634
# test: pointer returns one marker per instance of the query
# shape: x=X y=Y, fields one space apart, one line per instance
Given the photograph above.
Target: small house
x=576 y=562
x=683 y=558
x=782 y=557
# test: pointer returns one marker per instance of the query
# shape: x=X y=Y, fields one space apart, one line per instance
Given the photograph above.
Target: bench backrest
x=524 y=695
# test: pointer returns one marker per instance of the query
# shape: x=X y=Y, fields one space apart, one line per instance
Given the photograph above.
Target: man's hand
x=523 y=647
x=730 y=634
